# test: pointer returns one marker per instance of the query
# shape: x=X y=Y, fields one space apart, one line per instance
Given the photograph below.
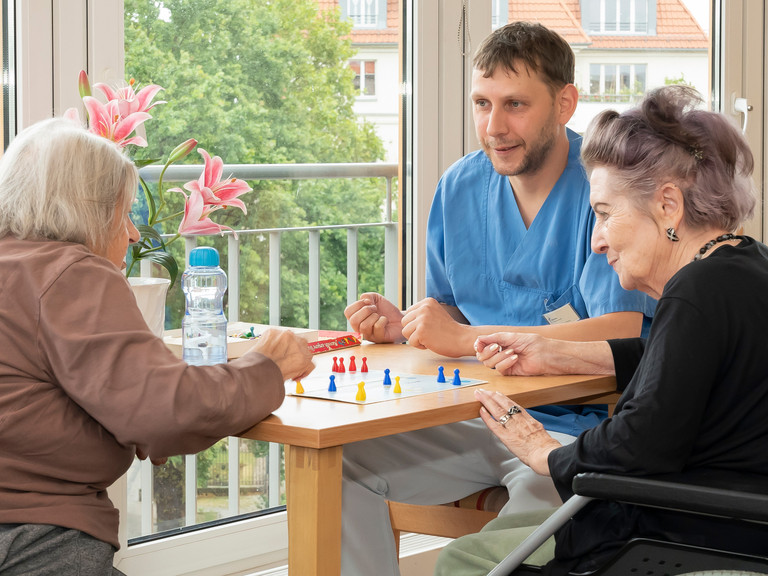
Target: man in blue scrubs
x=508 y=244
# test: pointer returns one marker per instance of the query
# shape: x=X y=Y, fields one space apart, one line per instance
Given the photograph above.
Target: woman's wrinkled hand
x=289 y=351
x=525 y=436
x=513 y=354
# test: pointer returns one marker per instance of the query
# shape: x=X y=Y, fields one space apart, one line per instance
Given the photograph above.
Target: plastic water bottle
x=204 y=327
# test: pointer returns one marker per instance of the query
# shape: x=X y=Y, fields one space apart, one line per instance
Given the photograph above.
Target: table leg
x=313 y=502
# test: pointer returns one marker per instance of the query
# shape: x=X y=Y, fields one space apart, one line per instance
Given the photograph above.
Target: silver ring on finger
x=513 y=410
x=504 y=419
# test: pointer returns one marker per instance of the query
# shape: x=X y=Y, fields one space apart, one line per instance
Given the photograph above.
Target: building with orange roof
x=623 y=48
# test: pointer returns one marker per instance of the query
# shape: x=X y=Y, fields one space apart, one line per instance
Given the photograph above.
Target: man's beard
x=535 y=156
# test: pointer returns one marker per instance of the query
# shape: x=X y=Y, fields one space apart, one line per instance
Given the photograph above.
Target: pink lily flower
x=196 y=215
x=129 y=102
x=213 y=190
x=106 y=121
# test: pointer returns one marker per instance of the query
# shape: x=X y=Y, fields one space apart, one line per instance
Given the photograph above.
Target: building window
x=619 y=16
x=363 y=13
x=365 y=76
x=616 y=82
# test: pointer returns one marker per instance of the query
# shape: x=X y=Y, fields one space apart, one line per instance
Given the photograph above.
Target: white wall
x=382 y=109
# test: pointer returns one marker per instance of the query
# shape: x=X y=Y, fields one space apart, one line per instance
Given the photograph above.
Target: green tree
x=264 y=82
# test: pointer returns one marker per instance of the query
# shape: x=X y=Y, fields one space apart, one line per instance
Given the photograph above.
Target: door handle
x=740 y=105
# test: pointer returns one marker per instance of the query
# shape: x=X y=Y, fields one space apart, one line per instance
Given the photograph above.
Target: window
x=615 y=82
x=365 y=76
x=619 y=16
x=363 y=13
x=254 y=112
x=442 y=136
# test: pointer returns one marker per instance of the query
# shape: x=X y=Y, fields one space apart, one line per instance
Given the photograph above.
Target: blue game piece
x=440 y=374
x=387 y=380
x=332 y=385
x=456 y=379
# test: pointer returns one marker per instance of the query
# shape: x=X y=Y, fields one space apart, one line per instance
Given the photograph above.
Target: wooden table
x=314 y=432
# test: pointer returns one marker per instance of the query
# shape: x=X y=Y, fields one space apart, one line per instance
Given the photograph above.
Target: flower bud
x=83 y=85
x=182 y=150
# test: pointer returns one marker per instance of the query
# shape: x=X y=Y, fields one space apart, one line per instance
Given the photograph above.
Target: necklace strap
x=704 y=249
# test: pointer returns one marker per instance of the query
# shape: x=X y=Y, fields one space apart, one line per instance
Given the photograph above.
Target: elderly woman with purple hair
x=670 y=185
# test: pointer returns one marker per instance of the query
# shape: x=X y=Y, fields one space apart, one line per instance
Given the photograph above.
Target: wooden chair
x=451 y=520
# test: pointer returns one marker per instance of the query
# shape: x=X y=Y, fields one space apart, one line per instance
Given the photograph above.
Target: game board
x=316 y=385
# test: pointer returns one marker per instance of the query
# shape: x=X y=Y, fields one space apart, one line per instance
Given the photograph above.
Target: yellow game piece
x=299 y=387
x=397 y=389
x=360 y=392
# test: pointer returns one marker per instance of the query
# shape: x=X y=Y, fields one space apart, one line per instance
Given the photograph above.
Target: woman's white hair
x=60 y=182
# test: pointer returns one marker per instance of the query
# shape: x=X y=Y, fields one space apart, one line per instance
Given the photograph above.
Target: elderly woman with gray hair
x=670 y=184
x=84 y=384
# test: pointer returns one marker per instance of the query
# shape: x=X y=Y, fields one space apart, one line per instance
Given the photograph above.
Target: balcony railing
x=275 y=172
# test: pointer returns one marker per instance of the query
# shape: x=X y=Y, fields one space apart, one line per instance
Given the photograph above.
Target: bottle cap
x=204 y=256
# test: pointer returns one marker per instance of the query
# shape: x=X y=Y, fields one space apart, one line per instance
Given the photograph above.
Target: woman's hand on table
x=513 y=354
x=525 y=436
x=289 y=351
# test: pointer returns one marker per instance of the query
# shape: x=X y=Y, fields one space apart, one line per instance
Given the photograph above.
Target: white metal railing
x=275 y=172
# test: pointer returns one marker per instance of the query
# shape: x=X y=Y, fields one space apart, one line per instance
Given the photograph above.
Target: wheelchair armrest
x=704 y=491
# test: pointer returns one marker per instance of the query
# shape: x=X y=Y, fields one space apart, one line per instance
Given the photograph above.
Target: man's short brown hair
x=540 y=49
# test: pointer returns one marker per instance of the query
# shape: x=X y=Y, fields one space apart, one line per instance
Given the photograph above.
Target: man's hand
x=376 y=318
x=429 y=324
x=289 y=351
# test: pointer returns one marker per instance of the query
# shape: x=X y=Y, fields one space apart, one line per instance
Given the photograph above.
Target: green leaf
x=147 y=232
x=152 y=209
x=166 y=261
x=146 y=162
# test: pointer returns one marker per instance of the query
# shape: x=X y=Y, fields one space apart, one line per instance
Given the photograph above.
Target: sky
x=700 y=10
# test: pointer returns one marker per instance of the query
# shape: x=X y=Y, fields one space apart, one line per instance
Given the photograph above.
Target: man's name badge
x=562 y=315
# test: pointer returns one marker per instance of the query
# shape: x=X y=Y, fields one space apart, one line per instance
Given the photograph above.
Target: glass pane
x=611 y=16
x=641 y=16
x=624 y=79
x=625 y=16
x=639 y=78
x=370 y=78
x=610 y=79
x=267 y=82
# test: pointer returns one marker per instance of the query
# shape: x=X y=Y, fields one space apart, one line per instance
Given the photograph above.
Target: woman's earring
x=672 y=235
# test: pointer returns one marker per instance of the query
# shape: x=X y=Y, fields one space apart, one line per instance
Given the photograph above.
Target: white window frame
x=52 y=46
x=364 y=76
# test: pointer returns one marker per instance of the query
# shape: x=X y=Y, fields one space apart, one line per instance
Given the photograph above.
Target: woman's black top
x=695 y=395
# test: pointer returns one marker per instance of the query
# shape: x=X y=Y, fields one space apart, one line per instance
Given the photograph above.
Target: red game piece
x=341 y=365
x=352 y=366
x=335 y=366
x=364 y=367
